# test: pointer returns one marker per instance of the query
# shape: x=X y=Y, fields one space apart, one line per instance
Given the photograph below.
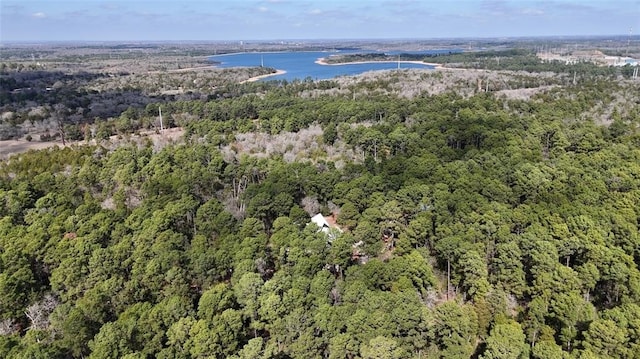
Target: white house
x=321 y=222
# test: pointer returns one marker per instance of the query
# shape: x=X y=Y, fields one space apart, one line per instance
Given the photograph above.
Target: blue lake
x=300 y=65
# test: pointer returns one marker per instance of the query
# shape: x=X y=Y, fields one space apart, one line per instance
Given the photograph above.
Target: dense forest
x=468 y=226
x=517 y=59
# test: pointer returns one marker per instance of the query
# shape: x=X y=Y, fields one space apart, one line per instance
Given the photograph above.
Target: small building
x=321 y=222
x=620 y=61
x=327 y=225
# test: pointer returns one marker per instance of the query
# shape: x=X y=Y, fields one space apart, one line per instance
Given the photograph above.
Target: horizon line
x=244 y=41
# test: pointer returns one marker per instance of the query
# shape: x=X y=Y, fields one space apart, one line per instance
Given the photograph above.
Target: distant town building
x=593 y=56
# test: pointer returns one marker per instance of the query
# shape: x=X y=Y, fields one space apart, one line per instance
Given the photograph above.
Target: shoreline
x=268 y=52
x=256 y=78
x=185 y=69
x=323 y=61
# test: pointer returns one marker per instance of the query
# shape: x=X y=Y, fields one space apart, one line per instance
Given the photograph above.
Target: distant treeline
x=510 y=60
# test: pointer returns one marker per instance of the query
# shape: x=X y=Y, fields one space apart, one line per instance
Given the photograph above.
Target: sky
x=235 y=20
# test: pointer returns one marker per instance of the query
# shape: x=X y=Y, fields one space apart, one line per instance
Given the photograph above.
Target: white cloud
x=263 y=9
x=110 y=6
x=315 y=12
x=530 y=11
x=39 y=15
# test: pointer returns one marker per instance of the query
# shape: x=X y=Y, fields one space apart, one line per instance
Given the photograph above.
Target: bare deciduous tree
x=235 y=204
x=311 y=205
x=8 y=327
x=38 y=313
x=59 y=115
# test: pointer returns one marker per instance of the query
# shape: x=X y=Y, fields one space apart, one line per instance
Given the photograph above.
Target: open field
x=157 y=139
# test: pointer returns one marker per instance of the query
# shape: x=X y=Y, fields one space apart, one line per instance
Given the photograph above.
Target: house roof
x=319 y=220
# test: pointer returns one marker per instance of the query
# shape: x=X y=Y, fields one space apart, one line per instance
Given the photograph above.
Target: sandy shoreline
x=186 y=69
x=256 y=78
x=323 y=61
